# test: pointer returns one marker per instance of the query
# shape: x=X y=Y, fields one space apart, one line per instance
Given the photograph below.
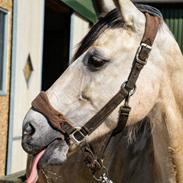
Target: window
x=3 y=50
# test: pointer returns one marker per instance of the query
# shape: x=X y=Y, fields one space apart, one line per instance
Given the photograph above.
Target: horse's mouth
x=53 y=154
x=34 y=169
x=37 y=163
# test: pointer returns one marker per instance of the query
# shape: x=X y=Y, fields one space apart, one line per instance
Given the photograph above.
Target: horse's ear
x=130 y=14
x=102 y=7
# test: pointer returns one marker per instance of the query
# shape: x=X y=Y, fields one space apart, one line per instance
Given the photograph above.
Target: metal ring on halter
x=131 y=92
x=99 y=178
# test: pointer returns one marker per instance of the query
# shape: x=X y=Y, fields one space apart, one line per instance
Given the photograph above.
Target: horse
x=150 y=147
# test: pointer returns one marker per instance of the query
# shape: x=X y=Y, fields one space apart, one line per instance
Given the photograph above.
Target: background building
x=37 y=40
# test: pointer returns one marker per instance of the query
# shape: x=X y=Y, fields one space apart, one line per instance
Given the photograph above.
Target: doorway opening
x=56 y=41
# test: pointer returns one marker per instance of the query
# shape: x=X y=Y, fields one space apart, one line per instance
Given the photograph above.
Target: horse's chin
x=55 y=154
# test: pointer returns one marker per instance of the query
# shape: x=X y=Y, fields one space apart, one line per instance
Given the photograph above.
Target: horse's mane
x=111 y=20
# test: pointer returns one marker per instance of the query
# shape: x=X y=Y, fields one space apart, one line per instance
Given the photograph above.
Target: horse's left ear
x=130 y=14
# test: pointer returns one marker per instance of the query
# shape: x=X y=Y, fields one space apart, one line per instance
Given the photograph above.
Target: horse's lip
x=46 y=147
x=28 y=147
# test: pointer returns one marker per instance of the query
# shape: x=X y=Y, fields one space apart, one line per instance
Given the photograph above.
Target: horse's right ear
x=130 y=14
x=102 y=7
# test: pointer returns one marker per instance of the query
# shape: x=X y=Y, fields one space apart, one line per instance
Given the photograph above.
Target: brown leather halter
x=77 y=135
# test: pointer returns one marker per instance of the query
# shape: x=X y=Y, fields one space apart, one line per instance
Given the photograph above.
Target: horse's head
x=103 y=62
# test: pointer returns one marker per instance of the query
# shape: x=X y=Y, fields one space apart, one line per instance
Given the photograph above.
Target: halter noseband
x=77 y=135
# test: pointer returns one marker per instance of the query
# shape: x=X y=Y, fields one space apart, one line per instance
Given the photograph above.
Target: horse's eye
x=94 y=63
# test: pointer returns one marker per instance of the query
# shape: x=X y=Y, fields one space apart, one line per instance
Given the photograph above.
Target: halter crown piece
x=78 y=135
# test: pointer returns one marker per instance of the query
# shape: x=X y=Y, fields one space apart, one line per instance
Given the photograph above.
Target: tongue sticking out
x=34 y=172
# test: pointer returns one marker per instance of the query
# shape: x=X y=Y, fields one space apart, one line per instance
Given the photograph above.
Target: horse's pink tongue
x=34 y=172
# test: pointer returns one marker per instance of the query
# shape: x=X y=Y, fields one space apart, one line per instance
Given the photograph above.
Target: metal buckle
x=77 y=136
x=131 y=92
x=103 y=176
x=143 y=62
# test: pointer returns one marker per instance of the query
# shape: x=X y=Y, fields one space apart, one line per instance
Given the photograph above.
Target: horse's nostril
x=28 y=129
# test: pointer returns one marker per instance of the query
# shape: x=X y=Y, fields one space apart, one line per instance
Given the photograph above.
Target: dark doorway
x=56 y=41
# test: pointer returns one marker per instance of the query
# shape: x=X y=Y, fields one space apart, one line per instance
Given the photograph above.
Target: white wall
x=79 y=28
x=27 y=39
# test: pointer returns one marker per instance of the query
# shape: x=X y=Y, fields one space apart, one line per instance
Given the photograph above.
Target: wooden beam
x=84 y=8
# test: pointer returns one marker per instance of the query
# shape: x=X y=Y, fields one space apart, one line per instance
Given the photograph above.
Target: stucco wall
x=4 y=100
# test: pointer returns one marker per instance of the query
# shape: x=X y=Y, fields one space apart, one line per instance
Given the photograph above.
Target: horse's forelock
x=111 y=20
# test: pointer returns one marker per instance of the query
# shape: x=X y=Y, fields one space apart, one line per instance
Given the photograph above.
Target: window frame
x=3 y=90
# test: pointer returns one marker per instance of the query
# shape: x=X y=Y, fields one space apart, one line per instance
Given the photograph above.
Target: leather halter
x=77 y=135
x=60 y=122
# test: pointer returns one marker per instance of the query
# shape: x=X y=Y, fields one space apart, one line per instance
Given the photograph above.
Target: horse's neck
x=172 y=70
x=167 y=115
x=176 y=86
x=167 y=119
x=163 y=160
